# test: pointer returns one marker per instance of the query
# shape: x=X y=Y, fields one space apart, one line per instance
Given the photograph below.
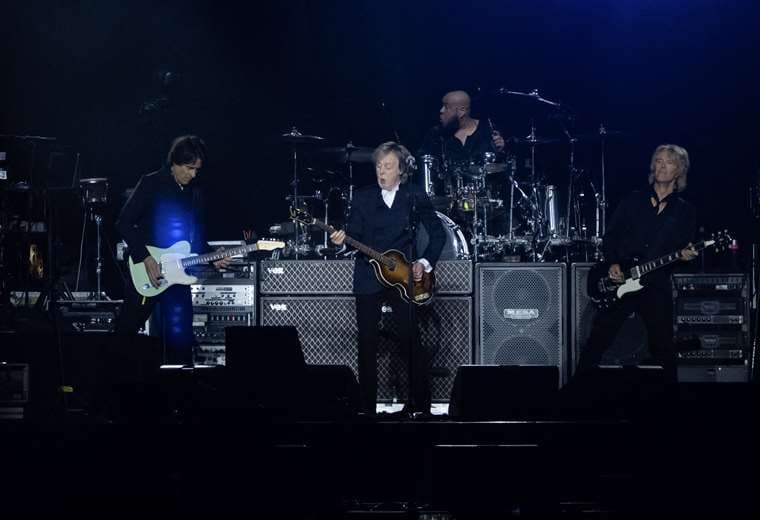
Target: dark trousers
x=368 y=314
x=174 y=316
x=655 y=306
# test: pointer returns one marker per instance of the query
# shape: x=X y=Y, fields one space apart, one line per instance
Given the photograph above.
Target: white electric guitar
x=175 y=259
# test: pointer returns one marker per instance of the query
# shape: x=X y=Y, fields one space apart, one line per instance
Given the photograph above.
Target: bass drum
x=455 y=247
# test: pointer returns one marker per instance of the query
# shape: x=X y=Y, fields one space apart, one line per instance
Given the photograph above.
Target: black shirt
x=452 y=152
x=637 y=231
x=160 y=212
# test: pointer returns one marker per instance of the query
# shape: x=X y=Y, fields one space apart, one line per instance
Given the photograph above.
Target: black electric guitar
x=605 y=293
x=391 y=267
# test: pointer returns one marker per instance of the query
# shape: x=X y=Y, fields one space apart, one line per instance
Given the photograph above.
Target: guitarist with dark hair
x=380 y=216
x=165 y=207
x=646 y=226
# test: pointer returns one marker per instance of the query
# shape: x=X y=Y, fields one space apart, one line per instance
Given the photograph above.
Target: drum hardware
x=428 y=167
x=455 y=247
x=94 y=195
x=350 y=155
x=296 y=138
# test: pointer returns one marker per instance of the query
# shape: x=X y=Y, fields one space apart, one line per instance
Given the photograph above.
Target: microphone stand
x=411 y=315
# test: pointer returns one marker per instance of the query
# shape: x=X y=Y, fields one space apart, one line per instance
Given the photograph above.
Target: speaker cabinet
x=328 y=334
x=445 y=333
x=336 y=277
x=630 y=346
x=520 y=315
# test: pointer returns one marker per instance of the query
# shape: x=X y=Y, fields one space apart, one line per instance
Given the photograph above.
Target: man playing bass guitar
x=645 y=226
x=380 y=217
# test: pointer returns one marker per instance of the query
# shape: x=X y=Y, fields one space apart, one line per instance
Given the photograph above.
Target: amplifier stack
x=711 y=327
x=220 y=300
x=316 y=296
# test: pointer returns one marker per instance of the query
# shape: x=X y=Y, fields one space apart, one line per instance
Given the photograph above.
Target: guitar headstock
x=721 y=240
x=301 y=215
x=269 y=245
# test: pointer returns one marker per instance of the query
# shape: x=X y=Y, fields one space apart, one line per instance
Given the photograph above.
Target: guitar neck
x=218 y=255
x=657 y=263
x=355 y=243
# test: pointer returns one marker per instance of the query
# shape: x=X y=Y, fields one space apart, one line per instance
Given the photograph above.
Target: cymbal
x=296 y=137
x=533 y=94
x=534 y=140
x=488 y=168
x=349 y=153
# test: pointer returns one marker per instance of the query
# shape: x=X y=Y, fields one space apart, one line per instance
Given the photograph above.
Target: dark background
x=93 y=75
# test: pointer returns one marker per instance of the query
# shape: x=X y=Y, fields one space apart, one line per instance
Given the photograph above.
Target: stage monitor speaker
x=327 y=329
x=332 y=390
x=630 y=346
x=520 y=315
x=504 y=392
x=265 y=366
x=619 y=391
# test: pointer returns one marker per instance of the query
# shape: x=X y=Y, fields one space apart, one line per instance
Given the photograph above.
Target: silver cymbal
x=534 y=140
x=296 y=137
x=533 y=94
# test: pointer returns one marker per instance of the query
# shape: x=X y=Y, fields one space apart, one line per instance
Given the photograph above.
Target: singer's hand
x=417 y=269
x=498 y=140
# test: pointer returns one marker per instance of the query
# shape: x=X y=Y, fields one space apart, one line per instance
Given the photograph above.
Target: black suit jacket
x=381 y=228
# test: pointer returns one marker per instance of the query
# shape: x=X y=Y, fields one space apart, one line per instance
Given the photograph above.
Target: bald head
x=457 y=99
x=455 y=109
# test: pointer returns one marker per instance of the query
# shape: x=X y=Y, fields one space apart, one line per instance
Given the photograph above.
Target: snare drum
x=94 y=191
x=455 y=247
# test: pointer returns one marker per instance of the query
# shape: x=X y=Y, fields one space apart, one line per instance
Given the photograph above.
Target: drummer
x=460 y=140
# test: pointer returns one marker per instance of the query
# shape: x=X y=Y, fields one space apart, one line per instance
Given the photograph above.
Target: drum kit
x=498 y=207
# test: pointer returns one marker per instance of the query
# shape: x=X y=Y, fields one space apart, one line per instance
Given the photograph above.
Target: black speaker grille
x=328 y=334
x=336 y=277
x=521 y=314
x=326 y=326
x=446 y=335
x=307 y=277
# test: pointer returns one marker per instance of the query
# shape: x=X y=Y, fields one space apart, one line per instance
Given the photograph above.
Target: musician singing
x=646 y=226
x=165 y=207
x=380 y=217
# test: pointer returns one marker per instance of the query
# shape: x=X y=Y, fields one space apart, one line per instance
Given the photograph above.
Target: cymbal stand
x=475 y=226
x=350 y=176
x=602 y=211
x=296 y=230
x=537 y=214
x=512 y=182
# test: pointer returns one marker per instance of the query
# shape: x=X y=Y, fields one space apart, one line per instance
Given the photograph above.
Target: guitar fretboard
x=218 y=255
x=358 y=245
x=662 y=261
